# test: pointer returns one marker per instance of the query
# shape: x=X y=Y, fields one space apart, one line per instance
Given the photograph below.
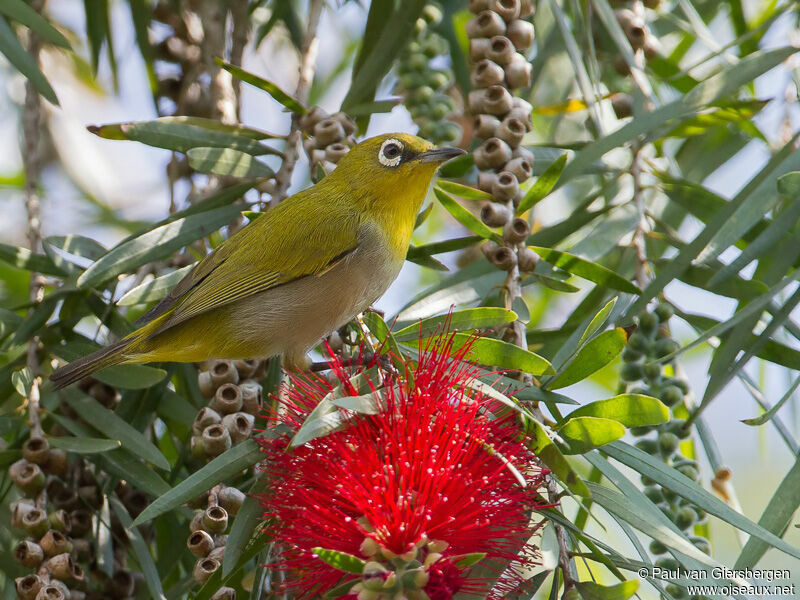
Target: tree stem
x=308 y=57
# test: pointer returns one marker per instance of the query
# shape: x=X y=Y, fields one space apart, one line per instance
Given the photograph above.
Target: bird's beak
x=440 y=155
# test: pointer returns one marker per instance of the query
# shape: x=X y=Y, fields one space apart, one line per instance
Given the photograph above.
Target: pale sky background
x=131 y=178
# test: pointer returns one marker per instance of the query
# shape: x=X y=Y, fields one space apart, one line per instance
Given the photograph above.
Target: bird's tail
x=83 y=367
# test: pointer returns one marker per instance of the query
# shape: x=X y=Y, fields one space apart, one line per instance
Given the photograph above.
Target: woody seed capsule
x=523 y=153
x=54 y=542
x=492 y=154
x=224 y=593
x=526 y=8
x=245 y=368
x=329 y=131
x=503 y=258
x=494 y=215
x=35 y=522
x=228 y=399
x=506 y=187
x=476 y=6
x=311 y=118
x=518 y=72
x=19 y=508
x=511 y=131
x=29 y=554
x=80 y=522
x=200 y=543
x=335 y=152
x=485 y=125
x=222 y=372
x=508 y=9
x=51 y=591
x=251 y=396
x=123 y=584
x=28 y=586
x=204 y=383
x=203 y=569
x=485 y=25
x=479 y=48
x=60 y=566
x=36 y=450
x=501 y=50
x=216 y=440
x=633 y=26
x=516 y=230
x=240 y=426
x=217 y=553
x=520 y=168
x=347 y=123
x=486 y=181
x=527 y=259
x=486 y=73
x=215 y=519
x=520 y=33
x=231 y=499
x=56 y=462
x=205 y=416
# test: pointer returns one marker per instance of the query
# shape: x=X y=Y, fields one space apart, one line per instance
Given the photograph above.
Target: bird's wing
x=295 y=239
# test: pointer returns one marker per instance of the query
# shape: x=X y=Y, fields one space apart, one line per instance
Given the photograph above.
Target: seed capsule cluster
x=235 y=399
x=328 y=139
x=499 y=34
x=425 y=86
x=208 y=538
x=633 y=22
x=57 y=515
x=644 y=375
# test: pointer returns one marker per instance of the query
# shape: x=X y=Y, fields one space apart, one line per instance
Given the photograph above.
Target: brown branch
x=31 y=159
x=223 y=97
x=308 y=57
x=239 y=36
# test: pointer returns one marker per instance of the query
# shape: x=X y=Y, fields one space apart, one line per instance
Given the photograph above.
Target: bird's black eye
x=390 y=153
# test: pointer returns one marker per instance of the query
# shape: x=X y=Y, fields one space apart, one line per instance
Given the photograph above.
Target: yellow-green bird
x=295 y=274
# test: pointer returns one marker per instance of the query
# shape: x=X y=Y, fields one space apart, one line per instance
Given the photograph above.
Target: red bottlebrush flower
x=431 y=477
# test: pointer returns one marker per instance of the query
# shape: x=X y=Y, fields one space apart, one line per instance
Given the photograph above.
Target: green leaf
x=441 y=247
x=594 y=591
x=140 y=550
x=180 y=136
x=465 y=561
x=225 y=465
x=488 y=351
x=631 y=410
x=225 y=161
x=244 y=527
x=83 y=445
x=776 y=518
x=273 y=90
x=556 y=284
x=155 y=289
x=470 y=318
x=25 y=259
x=22 y=12
x=156 y=244
x=720 y=85
x=598 y=321
x=544 y=184
x=218 y=126
x=340 y=560
x=115 y=428
x=387 y=31
x=22 y=61
x=592 y=357
x=552 y=457
x=466 y=218
x=74 y=245
x=425 y=261
x=586 y=433
x=767 y=416
x=676 y=481
x=9 y=322
x=586 y=269
x=365 y=404
x=370 y=108
x=463 y=191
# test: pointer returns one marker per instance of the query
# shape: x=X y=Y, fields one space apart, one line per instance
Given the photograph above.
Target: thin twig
x=308 y=57
x=31 y=159
x=239 y=36
x=638 y=240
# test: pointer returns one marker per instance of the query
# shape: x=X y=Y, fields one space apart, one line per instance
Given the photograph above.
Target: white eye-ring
x=390 y=153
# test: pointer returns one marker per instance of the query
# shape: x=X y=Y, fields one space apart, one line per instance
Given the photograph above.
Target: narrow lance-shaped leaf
x=156 y=244
x=592 y=357
x=551 y=456
x=23 y=13
x=340 y=560
x=466 y=218
x=273 y=90
x=544 y=184
x=586 y=269
x=225 y=161
x=225 y=465
x=11 y=48
x=486 y=317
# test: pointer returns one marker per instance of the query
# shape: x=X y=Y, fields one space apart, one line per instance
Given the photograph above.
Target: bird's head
x=393 y=167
